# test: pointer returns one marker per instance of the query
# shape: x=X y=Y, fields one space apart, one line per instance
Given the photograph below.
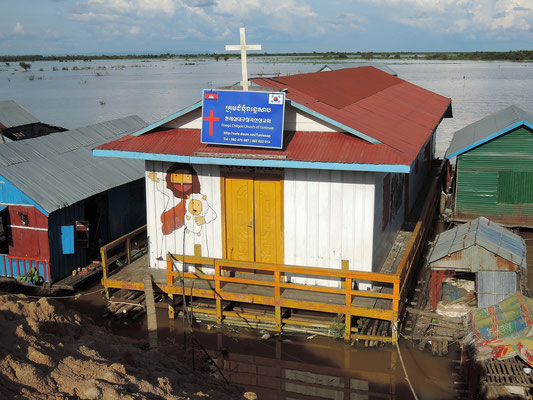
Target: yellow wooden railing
x=423 y=227
x=254 y=273
x=121 y=247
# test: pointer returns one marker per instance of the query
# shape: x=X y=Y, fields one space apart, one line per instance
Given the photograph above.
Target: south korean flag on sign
x=275 y=98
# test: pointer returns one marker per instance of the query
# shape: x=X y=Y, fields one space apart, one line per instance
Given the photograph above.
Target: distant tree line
x=519 y=55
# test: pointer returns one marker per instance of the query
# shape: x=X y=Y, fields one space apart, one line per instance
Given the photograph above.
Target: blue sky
x=89 y=26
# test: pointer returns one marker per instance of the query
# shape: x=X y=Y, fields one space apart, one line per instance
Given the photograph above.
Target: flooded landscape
x=80 y=93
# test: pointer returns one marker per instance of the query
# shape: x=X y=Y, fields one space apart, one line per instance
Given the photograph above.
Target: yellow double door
x=254 y=219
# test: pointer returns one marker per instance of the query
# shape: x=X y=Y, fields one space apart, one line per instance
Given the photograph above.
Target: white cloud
x=278 y=8
x=134 y=30
x=488 y=18
x=151 y=7
x=18 y=29
x=203 y=19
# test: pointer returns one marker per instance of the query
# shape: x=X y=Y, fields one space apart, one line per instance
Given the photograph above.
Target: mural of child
x=198 y=213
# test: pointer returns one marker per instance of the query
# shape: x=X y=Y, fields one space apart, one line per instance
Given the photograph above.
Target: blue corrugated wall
x=62 y=265
x=127 y=208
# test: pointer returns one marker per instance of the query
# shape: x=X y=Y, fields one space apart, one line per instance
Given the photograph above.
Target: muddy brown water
x=293 y=366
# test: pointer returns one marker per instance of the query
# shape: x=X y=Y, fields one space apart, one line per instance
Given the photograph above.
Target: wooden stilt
x=218 y=299
x=150 y=312
x=171 y=307
x=277 y=295
x=348 y=315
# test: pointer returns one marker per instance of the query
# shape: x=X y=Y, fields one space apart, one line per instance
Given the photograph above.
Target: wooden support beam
x=150 y=312
x=348 y=315
x=128 y=249
x=277 y=296
x=218 y=298
x=171 y=307
x=197 y=253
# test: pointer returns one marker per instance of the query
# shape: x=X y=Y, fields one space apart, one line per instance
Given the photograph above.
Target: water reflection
x=292 y=366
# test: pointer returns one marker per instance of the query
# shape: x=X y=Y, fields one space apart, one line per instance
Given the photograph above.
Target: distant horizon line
x=288 y=53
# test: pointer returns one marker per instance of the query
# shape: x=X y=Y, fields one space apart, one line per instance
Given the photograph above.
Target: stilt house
x=59 y=204
x=494 y=168
x=356 y=151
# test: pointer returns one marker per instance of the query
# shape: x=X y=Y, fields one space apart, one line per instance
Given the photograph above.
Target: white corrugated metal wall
x=328 y=218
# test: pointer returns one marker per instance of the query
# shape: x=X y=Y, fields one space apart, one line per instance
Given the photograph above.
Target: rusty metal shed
x=486 y=248
x=479 y=245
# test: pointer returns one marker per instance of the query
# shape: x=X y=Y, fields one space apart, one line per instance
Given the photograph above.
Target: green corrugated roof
x=487 y=129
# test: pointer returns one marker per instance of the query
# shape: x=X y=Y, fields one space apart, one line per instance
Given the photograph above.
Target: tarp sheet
x=504 y=330
x=505 y=318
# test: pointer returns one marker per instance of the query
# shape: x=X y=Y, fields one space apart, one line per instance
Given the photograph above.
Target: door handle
x=250 y=225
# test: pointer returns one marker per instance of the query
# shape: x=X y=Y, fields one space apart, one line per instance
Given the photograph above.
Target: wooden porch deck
x=237 y=284
x=131 y=277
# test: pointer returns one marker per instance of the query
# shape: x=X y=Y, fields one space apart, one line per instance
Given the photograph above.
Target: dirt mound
x=50 y=352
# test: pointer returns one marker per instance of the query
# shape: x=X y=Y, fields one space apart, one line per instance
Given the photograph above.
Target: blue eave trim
x=333 y=122
x=490 y=137
x=168 y=119
x=271 y=163
x=12 y=195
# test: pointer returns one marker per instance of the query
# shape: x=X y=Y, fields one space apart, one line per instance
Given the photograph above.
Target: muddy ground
x=50 y=352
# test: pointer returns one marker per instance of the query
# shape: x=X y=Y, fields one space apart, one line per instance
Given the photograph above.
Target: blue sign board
x=238 y=118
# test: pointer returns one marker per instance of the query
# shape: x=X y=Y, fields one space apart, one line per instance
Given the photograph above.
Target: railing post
x=348 y=315
x=277 y=300
x=103 y=254
x=396 y=302
x=344 y=267
x=128 y=249
x=198 y=253
x=218 y=298
x=170 y=282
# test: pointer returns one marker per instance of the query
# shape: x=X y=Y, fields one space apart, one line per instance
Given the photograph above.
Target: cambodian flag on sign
x=211 y=96
x=275 y=98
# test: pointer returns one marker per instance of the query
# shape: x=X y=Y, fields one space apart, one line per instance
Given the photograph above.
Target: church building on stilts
x=287 y=194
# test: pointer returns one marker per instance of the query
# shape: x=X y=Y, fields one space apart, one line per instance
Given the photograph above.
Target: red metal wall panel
x=25 y=241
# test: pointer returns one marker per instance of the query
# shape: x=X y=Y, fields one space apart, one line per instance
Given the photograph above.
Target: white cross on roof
x=243 y=47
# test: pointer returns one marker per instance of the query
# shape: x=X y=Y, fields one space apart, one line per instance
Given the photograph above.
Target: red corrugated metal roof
x=400 y=115
x=326 y=89
x=299 y=146
x=386 y=108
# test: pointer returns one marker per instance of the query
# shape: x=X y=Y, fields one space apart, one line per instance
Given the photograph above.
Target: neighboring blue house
x=59 y=204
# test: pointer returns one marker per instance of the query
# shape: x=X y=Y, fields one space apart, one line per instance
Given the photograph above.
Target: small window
x=82 y=234
x=67 y=239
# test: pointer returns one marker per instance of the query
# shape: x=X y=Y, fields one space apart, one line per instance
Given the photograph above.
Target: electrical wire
x=403 y=365
x=75 y=296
